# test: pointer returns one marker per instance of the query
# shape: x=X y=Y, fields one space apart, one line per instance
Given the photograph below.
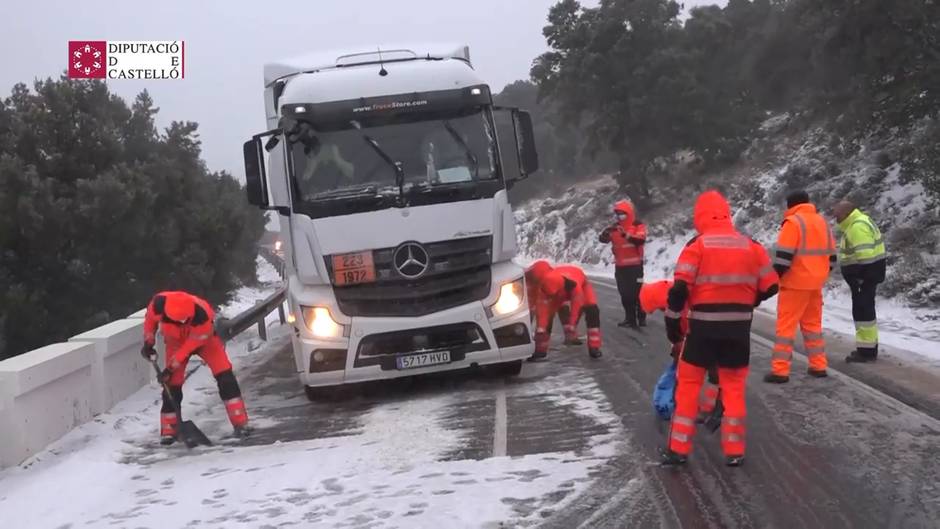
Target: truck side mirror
x=517 y=144
x=255 y=181
x=528 y=155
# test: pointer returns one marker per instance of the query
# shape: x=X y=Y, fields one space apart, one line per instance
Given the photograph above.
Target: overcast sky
x=227 y=42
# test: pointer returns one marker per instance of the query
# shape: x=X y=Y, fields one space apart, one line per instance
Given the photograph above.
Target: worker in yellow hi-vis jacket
x=862 y=257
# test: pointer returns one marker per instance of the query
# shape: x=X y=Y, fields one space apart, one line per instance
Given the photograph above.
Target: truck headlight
x=321 y=323
x=510 y=298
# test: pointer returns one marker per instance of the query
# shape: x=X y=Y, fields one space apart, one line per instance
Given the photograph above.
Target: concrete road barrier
x=45 y=393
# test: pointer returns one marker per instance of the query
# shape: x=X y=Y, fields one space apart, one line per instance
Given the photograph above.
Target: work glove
x=676 y=350
x=673 y=330
x=164 y=377
x=572 y=339
x=148 y=351
x=222 y=327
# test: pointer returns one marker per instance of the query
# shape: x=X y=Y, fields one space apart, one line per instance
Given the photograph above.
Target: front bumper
x=360 y=367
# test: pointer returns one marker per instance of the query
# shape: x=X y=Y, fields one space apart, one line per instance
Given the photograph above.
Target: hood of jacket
x=712 y=212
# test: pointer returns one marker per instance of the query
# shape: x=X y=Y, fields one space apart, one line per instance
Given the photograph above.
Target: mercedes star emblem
x=411 y=260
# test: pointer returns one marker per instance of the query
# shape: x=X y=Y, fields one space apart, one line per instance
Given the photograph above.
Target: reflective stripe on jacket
x=725 y=272
x=862 y=242
x=805 y=250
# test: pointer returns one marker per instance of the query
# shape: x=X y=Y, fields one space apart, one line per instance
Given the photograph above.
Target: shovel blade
x=192 y=436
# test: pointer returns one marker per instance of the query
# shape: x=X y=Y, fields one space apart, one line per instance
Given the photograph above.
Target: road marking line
x=499 y=429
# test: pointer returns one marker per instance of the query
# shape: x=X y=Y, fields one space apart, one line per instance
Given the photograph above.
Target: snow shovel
x=713 y=421
x=188 y=432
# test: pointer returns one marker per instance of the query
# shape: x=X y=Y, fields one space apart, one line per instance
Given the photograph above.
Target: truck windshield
x=405 y=160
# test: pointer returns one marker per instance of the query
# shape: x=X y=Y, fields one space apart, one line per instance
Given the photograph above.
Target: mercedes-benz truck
x=389 y=170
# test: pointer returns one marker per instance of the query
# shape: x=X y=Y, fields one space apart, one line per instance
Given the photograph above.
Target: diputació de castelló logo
x=148 y=59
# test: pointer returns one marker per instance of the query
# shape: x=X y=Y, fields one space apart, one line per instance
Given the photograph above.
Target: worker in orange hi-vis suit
x=533 y=281
x=567 y=284
x=804 y=257
x=721 y=275
x=187 y=323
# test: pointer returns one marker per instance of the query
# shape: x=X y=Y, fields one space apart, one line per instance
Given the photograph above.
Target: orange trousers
x=803 y=307
x=690 y=379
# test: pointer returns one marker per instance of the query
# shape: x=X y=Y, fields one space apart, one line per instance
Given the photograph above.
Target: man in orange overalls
x=804 y=256
x=186 y=323
x=533 y=283
x=721 y=275
x=566 y=284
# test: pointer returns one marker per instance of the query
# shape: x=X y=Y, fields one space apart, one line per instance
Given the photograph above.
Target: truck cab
x=389 y=171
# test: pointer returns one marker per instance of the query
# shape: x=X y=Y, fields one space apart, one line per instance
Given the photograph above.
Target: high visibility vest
x=807 y=247
x=626 y=253
x=861 y=243
x=724 y=271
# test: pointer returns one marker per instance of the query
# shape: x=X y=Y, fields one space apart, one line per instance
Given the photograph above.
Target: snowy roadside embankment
x=565 y=228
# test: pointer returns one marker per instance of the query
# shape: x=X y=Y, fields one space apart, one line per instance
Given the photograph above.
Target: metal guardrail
x=275 y=258
x=228 y=328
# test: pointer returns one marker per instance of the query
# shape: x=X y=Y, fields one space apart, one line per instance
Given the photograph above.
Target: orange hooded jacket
x=724 y=274
x=626 y=237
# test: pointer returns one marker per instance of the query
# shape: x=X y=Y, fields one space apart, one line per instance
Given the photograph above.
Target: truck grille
x=458 y=273
x=458 y=338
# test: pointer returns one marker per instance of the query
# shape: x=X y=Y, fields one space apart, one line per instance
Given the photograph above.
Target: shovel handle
x=166 y=389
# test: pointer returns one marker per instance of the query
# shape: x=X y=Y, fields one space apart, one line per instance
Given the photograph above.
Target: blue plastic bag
x=664 y=401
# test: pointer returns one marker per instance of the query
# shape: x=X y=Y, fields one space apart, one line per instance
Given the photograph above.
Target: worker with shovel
x=187 y=325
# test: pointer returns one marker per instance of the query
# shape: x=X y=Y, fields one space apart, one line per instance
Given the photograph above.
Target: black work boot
x=242 y=431
x=538 y=357
x=626 y=323
x=595 y=353
x=673 y=459
x=734 y=461
x=167 y=440
x=817 y=373
x=856 y=357
x=771 y=378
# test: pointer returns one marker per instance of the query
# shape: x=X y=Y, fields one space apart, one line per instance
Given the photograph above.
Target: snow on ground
x=385 y=472
x=545 y=233
x=246 y=297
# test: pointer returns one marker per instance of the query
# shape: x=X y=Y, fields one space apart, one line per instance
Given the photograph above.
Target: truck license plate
x=353 y=268
x=422 y=360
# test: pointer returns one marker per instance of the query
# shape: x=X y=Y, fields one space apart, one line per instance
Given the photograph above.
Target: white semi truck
x=389 y=171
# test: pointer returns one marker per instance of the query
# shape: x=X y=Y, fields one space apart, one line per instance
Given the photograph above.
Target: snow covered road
x=453 y=451
x=570 y=443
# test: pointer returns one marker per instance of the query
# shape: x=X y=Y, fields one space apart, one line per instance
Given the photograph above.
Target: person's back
x=723 y=271
x=573 y=273
x=805 y=235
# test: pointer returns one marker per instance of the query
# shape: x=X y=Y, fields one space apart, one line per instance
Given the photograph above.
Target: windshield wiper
x=349 y=191
x=425 y=188
x=466 y=148
x=399 y=172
